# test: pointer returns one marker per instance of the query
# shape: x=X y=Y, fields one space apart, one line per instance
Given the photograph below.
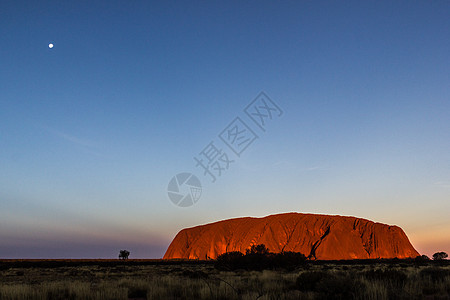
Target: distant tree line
x=258 y=257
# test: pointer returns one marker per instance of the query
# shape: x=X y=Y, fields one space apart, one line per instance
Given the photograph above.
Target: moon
x=50 y=45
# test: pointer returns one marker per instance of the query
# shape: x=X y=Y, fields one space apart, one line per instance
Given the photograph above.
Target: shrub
x=395 y=277
x=137 y=292
x=258 y=258
x=229 y=261
x=288 y=260
x=339 y=286
x=194 y=274
x=308 y=281
x=329 y=285
x=434 y=273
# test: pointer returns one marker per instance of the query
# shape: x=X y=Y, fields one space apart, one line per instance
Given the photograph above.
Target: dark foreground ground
x=157 y=279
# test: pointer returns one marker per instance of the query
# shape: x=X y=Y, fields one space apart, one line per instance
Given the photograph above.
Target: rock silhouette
x=316 y=236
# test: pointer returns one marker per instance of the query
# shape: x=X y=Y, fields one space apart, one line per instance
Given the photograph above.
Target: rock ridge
x=325 y=237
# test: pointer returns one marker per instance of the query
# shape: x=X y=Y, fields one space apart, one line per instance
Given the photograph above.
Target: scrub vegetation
x=175 y=279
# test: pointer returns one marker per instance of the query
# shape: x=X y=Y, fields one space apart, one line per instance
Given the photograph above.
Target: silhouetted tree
x=260 y=249
x=123 y=254
x=422 y=258
x=440 y=256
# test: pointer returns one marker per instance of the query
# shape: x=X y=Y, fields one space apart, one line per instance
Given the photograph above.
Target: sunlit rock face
x=317 y=236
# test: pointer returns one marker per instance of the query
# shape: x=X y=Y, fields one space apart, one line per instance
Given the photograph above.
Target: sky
x=93 y=130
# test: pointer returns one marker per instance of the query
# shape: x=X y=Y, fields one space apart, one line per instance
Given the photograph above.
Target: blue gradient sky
x=92 y=130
